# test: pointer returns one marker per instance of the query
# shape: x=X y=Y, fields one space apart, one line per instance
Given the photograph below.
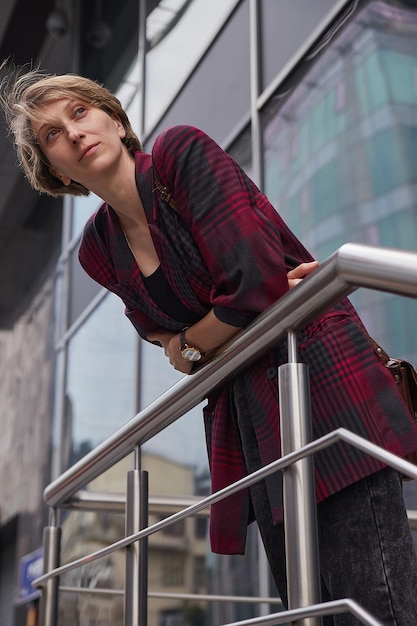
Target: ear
x=65 y=180
x=120 y=128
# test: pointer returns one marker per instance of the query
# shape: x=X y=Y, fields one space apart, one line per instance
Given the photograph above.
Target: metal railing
x=352 y=266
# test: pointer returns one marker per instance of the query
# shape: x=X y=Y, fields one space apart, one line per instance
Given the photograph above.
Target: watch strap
x=184 y=345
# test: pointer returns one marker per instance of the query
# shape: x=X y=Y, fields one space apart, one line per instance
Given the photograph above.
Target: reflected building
x=339 y=153
x=177 y=555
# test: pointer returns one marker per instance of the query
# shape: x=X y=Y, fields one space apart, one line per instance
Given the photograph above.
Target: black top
x=161 y=292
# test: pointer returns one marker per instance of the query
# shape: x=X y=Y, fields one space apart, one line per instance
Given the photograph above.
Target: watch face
x=191 y=354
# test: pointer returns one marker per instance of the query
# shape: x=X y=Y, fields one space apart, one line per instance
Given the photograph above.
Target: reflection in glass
x=184 y=440
x=83 y=533
x=340 y=150
x=100 y=389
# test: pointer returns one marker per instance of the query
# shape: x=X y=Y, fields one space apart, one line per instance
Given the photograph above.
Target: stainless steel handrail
x=325 y=608
x=202 y=597
x=352 y=266
x=115 y=503
x=341 y=434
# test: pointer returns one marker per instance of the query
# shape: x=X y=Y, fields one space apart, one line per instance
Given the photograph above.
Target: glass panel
x=241 y=151
x=84 y=533
x=173 y=443
x=215 y=96
x=82 y=208
x=339 y=150
x=101 y=374
x=83 y=289
x=285 y=26
x=171 y=60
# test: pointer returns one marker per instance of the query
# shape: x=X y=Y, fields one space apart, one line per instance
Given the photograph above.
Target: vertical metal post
x=300 y=517
x=48 y=611
x=136 y=583
x=142 y=50
x=255 y=40
x=257 y=163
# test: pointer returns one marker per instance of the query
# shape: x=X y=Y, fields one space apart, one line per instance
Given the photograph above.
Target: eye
x=51 y=134
x=79 y=110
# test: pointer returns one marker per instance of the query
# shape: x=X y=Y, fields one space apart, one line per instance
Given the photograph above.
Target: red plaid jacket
x=224 y=247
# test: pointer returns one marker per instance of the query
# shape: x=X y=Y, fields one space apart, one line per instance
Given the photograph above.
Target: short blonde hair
x=23 y=94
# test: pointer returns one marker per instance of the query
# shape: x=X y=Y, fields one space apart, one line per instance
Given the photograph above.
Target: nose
x=74 y=133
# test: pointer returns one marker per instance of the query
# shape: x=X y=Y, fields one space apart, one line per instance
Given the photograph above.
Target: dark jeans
x=366 y=549
x=365 y=544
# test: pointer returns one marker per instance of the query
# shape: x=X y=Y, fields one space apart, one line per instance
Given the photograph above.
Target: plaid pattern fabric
x=224 y=247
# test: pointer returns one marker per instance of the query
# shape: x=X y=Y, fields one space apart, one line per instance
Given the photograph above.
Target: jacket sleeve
x=234 y=226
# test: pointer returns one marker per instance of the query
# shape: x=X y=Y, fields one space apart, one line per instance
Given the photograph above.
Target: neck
x=120 y=192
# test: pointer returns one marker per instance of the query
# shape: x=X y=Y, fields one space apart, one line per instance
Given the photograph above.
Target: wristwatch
x=189 y=353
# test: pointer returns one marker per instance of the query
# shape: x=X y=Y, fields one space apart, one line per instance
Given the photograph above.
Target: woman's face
x=81 y=142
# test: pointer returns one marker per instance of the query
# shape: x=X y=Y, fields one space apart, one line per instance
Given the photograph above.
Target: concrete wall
x=26 y=405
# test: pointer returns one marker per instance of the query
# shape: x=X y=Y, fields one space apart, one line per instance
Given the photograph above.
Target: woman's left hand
x=171 y=345
x=297 y=274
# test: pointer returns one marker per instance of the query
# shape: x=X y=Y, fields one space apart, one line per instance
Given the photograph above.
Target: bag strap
x=164 y=193
x=385 y=358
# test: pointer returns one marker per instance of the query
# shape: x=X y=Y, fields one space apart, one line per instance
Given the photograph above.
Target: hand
x=297 y=274
x=171 y=345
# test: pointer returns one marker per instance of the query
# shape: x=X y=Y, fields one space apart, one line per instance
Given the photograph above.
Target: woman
x=193 y=265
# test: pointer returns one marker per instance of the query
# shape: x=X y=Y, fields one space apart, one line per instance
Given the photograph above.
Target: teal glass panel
x=386 y=167
x=400 y=315
x=323 y=191
x=340 y=145
x=399 y=230
x=400 y=71
x=376 y=80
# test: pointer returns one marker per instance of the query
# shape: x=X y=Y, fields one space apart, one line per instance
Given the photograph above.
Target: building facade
x=318 y=102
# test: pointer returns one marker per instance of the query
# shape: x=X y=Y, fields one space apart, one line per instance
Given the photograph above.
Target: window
x=174 y=530
x=200 y=575
x=101 y=372
x=201 y=525
x=173 y=566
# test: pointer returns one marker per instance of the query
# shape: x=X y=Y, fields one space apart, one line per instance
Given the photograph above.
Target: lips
x=88 y=150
